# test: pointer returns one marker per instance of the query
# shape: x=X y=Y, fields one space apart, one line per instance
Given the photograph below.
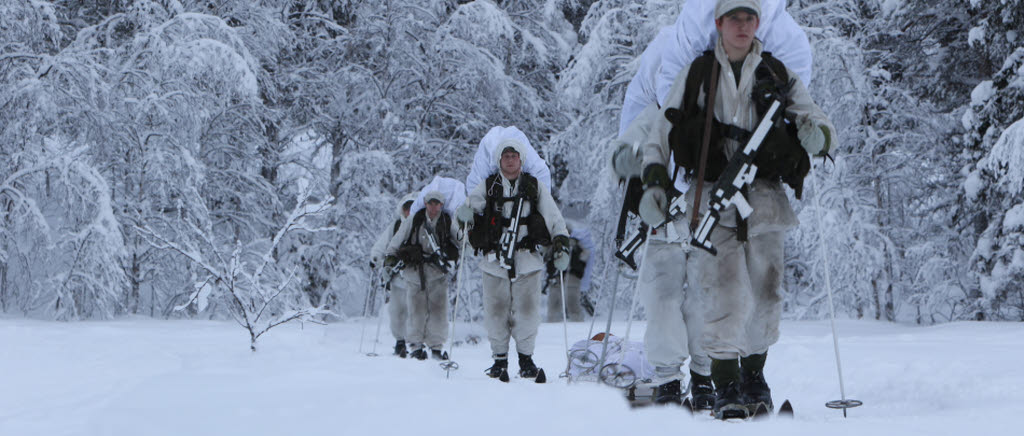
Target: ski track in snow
x=145 y=377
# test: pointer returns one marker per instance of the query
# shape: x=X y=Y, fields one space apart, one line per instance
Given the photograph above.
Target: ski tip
x=504 y=376
x=541 y=378
x=786 y=410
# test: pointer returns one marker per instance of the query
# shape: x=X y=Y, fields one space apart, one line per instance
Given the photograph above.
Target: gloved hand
x=653 y=205
x=373 y=264
x=464 y=215
x=560 y=248
x=625 y=163
x=390 y=261
x=815 y=138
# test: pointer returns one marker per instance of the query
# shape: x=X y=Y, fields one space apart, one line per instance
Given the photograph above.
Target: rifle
x=509 y=237
x=627 y=250
x=437 y=255
x=388 y=274
x=676 y=209
x=738 y=173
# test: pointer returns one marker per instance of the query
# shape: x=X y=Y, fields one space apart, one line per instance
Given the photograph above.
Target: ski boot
x=528 y=369
x=702 y=392
x=419 y=354
x=669 y=393
x=753 y=387
x=400 y=349
x=500 y=366
x=728 y=398
x=438 y=355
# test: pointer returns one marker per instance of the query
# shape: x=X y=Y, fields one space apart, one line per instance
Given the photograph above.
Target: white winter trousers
x=675 y=312
x=428 y=307
x=573 y=310
x=741 y=285
x=398 y=308
x=512 y=309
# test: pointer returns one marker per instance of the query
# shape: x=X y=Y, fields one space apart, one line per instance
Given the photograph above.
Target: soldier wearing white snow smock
x=740 y=285
x=674 y=335
x=427 y=245
x=512 y=216
x=398 y=304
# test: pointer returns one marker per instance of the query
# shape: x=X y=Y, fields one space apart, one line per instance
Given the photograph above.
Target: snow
x=976 y=36
x=1007 y=158
x=982 y=93
x=142 y=376
x=1014 y=218
x=973 y=185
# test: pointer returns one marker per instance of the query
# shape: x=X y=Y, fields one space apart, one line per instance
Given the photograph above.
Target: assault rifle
x=739 y=172
x=437 y=255
x=389 y=273
x=677 y=209
x=509 y=237
x=627 y=251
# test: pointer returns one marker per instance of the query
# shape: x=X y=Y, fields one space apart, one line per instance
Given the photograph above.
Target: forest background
x=236 y=159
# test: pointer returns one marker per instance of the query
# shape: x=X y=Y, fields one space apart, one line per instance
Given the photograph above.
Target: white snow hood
x=484 y=165
x=454 y=192
x=695 y=32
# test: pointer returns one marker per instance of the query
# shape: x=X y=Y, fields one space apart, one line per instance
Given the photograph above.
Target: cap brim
x=740 y=9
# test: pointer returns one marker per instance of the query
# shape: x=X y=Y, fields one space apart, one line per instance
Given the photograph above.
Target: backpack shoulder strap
x=696 y=78
x=417 y=221
x=775 y=66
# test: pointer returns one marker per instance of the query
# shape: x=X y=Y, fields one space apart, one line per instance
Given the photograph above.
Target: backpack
x=411 y=251
x=485 y=235
x=780 y=157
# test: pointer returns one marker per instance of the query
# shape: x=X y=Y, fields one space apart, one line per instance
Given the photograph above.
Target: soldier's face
x=433 y=209
x=510 y=163
x=737 y=30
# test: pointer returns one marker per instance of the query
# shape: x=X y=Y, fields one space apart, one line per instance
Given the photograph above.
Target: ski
x=786 y=410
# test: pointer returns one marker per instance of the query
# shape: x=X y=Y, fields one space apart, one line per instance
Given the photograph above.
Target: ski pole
x=636 y=286
x=843 y=403
x=608 y=326
x=565 y=324
x=380 y=318
x=366 y=308
x=450 y=365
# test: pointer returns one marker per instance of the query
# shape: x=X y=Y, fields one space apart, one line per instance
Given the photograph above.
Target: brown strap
x=709 y=107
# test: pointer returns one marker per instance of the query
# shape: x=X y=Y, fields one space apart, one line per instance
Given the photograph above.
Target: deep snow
x=145 y=377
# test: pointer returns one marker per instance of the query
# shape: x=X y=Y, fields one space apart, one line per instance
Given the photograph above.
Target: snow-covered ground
x=147 y=377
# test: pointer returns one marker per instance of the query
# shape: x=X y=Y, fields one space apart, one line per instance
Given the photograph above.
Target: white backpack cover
x=484 y=165
x=454 y=193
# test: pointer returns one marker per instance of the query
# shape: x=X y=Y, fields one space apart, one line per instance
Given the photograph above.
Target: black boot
x=438 y=355
x=755 y=388
x=527 y=369
x=702 y=392
x=500 y=366
x=728 y=398
x=400 y=350
x=419 y=354
x=669 y=393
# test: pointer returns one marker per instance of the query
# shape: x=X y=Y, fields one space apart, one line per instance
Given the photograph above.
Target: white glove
x=652 y=206
x=625 y=163
x=812 y=137
x=464 y=214
x=561 y=261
